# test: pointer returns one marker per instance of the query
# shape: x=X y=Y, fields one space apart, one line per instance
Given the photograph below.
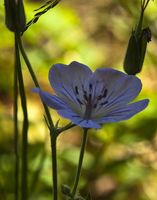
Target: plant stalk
x=78 y=173
x=24 y=55
x=16 y=134
x=24 y=184
x=54 y=165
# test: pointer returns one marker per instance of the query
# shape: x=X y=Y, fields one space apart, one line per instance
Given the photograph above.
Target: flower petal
x=124 y=112
x=64 y=77
x=121 y=87
x=77 y=119
x=50 y=100
x=67 y=81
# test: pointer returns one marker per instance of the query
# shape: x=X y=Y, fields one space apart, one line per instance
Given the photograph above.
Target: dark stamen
x=76 y=90
x=90 y=86
x=103 y=103
x=85 y=96
x=90 y=96
x=95 y=105
x=99 y=97
x=80 y=102
x=104 y=93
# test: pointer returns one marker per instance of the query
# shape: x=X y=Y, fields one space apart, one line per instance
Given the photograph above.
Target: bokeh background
x=121 y=158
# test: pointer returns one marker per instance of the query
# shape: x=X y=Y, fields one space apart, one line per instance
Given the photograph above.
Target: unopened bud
x=136 y=50
x=14 y=15
x=21 y=19
x=137 y=45
x=10 y=14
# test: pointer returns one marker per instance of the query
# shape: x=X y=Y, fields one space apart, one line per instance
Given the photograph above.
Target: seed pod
x=144 y=39
x=137 y=45
x=14 y=15
x=21 y=19
x=10 y=14
x=131 y=61
x=136 y=50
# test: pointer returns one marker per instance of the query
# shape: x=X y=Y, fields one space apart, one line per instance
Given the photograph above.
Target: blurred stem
x=36 y=175
x=24 y=184
x=16 y=135
x=34 y=78
x=78 y=173
x=54 y=165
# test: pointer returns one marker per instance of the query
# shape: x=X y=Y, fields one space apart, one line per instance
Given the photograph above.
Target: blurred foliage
x=121 y=158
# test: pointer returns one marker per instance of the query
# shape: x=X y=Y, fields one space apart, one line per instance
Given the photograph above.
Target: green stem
x=16 y=135
x=83 y=146
x=34 y=79
x=54 y=165
x=24 y=185
x=65 y=128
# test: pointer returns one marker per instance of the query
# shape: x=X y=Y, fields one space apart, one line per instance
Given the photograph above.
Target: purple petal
x=77 y=119
x=122 y=88
x=50 y=100
x=124 y=112
x=65 y=78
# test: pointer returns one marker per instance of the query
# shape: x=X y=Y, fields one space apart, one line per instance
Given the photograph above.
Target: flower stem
x=24 y=55
x=16 y=135
x=54 y=165
x=24 y=183
x=83 y=146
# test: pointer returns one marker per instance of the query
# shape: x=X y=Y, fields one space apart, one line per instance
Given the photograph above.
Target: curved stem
x=83 y=146
x=24 y=55
x=24 y=185
x=54 y=166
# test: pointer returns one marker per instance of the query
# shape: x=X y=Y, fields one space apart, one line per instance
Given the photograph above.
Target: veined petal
x=77 y=119
x=50 y=100
x=68 y=80
x=123 y=112
x=122 y=88
x=64 y=77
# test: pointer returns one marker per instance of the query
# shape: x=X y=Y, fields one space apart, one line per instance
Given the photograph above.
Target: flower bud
x=14 y=15
x=21 y=19
x=137 y=45
x=10 y=14
x=136 y=50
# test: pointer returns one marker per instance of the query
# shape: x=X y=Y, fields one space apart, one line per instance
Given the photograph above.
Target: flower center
x=93 y=98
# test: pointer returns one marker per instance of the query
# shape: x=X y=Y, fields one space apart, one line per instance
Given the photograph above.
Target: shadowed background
x=121 y=158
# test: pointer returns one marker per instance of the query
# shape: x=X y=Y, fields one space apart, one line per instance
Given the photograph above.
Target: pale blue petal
x=69 y=114
x=65 y=78
x=124 y=112
x=122 y=88
x=50 y=100
x=68 y=76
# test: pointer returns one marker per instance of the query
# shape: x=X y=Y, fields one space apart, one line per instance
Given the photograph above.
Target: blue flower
x=90 y=99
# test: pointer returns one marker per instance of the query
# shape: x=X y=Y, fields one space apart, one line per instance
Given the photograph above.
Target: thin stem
x=16 y=135
x=24 y=185
x=54 y=165
x=24 y=55
x=65 y=128
x=83 y=146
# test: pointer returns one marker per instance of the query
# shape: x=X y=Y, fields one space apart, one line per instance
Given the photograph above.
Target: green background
x=121 y=158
